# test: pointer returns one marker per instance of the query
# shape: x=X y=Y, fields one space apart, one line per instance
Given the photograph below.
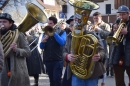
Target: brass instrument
x=117 y=37
x=33 y=16
x=83 y=46
x=50 y=30
x=93 y=27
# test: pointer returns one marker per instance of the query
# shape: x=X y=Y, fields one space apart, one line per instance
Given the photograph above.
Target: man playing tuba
x=99 y=69
x=15 y=71
x=82 y=51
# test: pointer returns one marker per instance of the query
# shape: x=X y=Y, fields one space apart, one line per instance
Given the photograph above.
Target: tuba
x=83 y=46
x=117 y=37
x=33 y=16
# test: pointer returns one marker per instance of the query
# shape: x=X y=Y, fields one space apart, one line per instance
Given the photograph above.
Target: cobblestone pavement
x=108 y=82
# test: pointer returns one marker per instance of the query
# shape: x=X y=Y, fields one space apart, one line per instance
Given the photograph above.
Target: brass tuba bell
x=33 y=16
x=117 y=37
x=83 y=46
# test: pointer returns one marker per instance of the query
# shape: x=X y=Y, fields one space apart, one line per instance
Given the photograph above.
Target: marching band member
x=102 y=30
x=34 y=61
x=15 y=71
x=99 y=69
x=121 y=56
x=52 y=55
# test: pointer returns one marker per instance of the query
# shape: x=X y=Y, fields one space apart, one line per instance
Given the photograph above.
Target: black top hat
x=70 y=19
x=6 y=16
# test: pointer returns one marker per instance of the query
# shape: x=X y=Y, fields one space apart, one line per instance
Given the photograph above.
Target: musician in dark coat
x=34 y=62
x=121 y=52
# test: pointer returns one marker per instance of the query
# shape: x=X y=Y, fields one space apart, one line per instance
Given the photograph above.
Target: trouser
x=109 y=68
x=66 y=82
x=36 y=78
x=84 y=82
x=54 y=71
x=119 y=74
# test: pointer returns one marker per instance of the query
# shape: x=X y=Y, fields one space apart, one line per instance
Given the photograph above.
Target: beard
x=3 y=31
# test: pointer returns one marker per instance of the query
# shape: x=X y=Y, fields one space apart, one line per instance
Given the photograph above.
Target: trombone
x=50 y=30
x=32 y=43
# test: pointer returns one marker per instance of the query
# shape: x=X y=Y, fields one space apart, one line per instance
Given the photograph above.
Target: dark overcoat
x=34 y=61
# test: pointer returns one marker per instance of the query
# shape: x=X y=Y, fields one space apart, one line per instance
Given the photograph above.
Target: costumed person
x=102 y=30
x=120 y=55
x=34 y=61
x=52 y=43
x=15 y=72
x=67 y=81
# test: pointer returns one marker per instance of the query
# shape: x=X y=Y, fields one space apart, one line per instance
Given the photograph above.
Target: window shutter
x=118 y=3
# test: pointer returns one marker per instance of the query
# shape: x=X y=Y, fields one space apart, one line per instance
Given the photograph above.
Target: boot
x=36 y=83
x=102 y=84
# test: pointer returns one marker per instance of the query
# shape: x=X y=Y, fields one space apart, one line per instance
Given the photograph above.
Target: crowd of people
x=24 y=58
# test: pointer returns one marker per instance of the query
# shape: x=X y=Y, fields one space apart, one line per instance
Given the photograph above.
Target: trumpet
x=93 y=27
x=50 y=30
x=117 y=37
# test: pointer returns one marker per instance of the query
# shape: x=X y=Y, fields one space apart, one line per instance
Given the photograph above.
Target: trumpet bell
x=49 y=30
x=112 y=41
x=33 y=16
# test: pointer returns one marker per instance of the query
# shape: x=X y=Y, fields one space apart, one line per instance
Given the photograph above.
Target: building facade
x=108 y=9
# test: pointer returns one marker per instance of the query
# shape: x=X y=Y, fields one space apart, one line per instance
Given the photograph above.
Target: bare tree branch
x=3 y=3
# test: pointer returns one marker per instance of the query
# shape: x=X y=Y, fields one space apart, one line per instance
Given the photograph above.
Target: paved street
x=109 y=81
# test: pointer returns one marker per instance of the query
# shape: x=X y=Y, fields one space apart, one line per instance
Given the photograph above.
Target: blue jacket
x=53 y=48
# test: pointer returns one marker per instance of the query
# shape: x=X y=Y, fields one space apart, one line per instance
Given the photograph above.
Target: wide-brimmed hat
x=6 y=16
x=70 y=19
